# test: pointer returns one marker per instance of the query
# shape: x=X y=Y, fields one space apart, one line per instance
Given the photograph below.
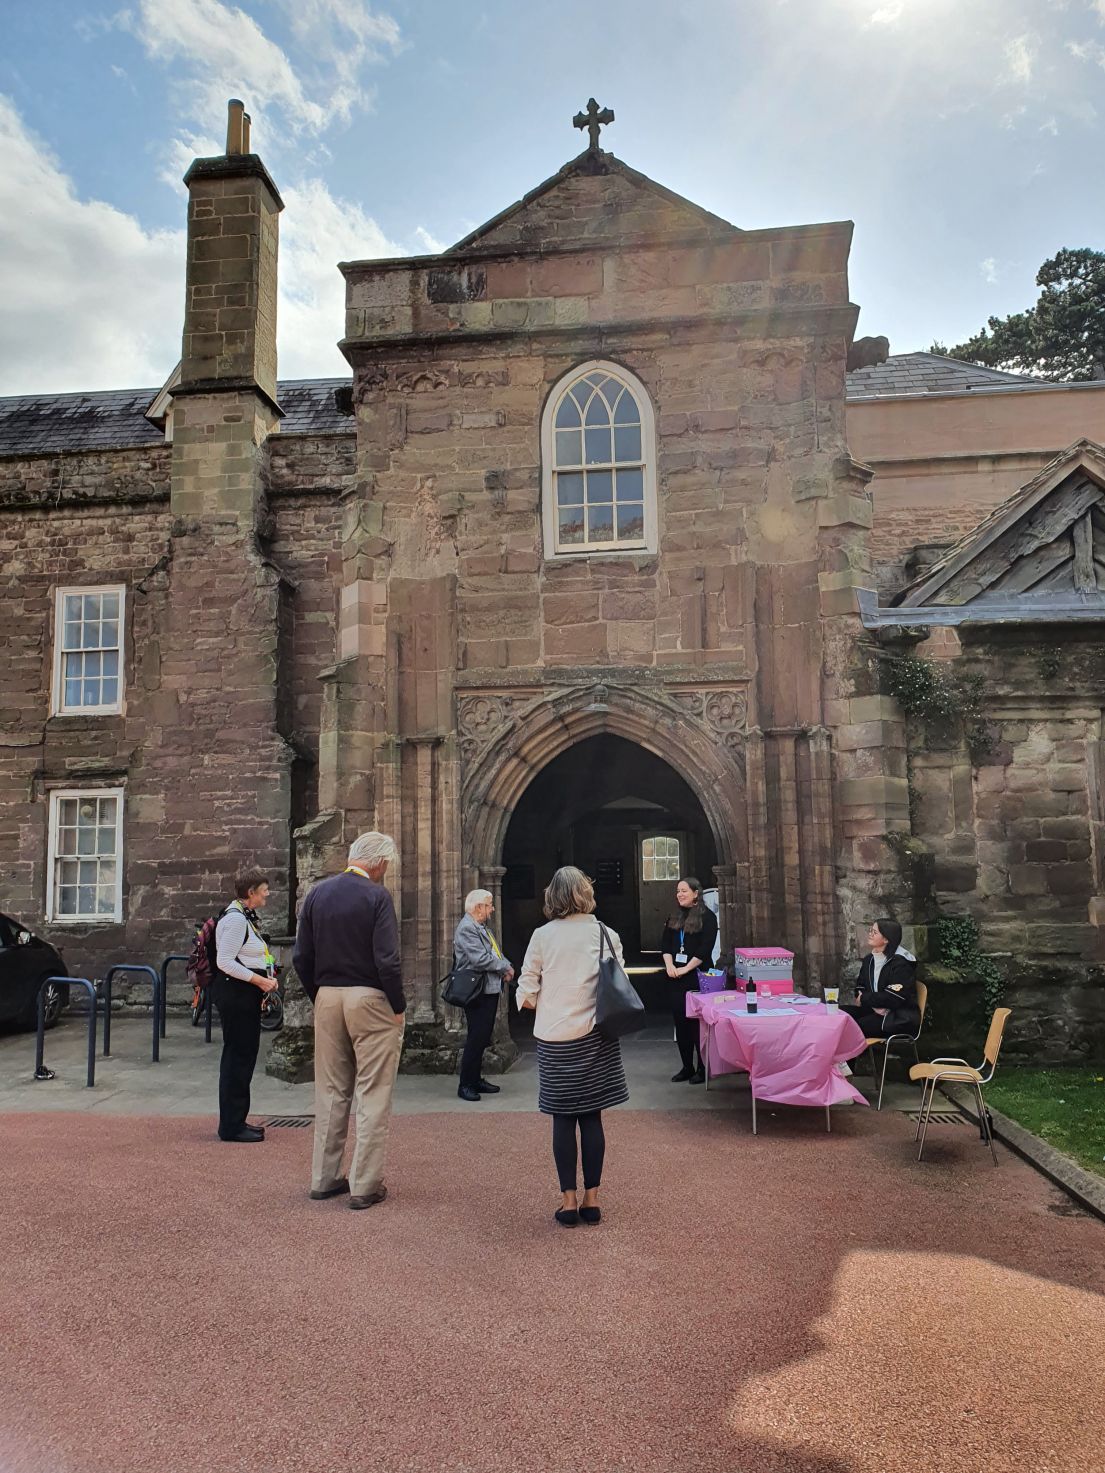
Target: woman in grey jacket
x=475 y=947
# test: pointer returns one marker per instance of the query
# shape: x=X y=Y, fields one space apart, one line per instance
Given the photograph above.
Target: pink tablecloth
x=788 y=1056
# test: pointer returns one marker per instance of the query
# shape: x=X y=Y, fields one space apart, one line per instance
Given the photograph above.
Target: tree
x=1062 y=337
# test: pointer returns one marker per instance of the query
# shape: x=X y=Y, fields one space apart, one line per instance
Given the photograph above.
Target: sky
x=964 y=138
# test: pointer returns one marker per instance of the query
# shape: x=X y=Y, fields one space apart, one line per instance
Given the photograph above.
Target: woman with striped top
x=580 y=1069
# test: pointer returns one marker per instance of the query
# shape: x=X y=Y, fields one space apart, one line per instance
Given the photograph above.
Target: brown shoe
x=358 y=1204
x=335 y=1191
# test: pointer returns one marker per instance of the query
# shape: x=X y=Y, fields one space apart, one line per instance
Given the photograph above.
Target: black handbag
x=618 y=1007
x=462 y=985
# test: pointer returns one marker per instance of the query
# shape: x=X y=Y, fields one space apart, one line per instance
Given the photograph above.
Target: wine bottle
x=750 y=1000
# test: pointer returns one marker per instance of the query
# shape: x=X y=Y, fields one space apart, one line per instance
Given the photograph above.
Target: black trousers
x=592 y=1145
x=480 y=1016
x=687 y=1030
x=239 y=1005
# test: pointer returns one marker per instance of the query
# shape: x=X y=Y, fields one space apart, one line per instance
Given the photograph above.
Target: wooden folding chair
x=885 y=1040
x=958 y=1071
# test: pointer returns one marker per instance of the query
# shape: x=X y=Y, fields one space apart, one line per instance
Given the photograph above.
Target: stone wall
x=1013 y=837
x=77 y=519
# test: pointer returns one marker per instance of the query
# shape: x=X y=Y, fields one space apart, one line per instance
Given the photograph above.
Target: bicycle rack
x=155 y=980
x=41 y=1072
x=176 y=957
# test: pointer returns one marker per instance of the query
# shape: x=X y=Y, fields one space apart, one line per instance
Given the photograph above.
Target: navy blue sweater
x=347 y=936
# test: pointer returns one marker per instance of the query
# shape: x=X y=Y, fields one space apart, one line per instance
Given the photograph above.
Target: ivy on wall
x=957 y=948
x=944 y=698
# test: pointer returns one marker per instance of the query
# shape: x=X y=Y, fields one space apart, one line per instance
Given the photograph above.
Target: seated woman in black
x=688 y=943
x=886 y=988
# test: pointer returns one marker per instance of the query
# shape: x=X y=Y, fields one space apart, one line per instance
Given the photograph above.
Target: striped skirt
x=580 y=1075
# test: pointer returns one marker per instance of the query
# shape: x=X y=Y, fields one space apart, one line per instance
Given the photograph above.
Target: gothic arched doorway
x=628 y=819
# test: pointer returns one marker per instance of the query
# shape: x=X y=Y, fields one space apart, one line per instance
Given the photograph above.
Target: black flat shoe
x=566 y=1216
x=244 y=1137
x=699 y=1076
x=590 y=1214
x=682 y=1076
x=487 y=1089
x=465 y=1092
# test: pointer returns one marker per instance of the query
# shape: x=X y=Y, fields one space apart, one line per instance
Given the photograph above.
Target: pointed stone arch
x=508 y=737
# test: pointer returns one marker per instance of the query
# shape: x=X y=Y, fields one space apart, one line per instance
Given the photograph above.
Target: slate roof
x=43 y=424
x=929 y=373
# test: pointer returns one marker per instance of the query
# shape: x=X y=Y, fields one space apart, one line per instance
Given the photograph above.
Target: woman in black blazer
x=886 y=988
x=688 y=943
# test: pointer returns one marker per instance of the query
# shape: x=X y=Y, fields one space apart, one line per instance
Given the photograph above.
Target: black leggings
x=592 y=1142
x=687 y=1030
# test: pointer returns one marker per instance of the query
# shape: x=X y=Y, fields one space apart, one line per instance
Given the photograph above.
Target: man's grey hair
x=474 y=898
x=369 y=849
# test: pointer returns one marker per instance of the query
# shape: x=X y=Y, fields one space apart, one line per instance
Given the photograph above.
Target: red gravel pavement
x=171 y=1303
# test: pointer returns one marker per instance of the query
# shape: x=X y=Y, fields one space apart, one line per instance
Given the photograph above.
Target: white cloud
x=95 y=301
x=222 y=52
x=1020 y=56
x=91 y=299
x=989 y=269
x=316 y=232
x=1050 y=125
x=1009 y=120
x=887 y=15
x=431 y=246
x=1087 y=51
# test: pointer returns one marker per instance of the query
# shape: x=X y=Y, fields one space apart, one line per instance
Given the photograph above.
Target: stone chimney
x=225 y=405
x=217 y=749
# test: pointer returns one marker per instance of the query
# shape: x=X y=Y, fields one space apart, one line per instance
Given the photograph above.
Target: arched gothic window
x=599 y=464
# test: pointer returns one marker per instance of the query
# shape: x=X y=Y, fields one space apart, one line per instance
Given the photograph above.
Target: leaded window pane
x=567 y=416
x=569 y=489
x=598 y=447
x=571 y=524
x=631 y=522
x=600 y=486
x=600 y=524
x=569 y=447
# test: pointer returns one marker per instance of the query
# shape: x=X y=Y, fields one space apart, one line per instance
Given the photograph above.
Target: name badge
x=680 y=958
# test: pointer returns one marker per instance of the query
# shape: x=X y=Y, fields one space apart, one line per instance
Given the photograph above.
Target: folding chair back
x=994 y=1036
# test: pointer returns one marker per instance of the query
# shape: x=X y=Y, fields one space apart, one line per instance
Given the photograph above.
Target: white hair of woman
x=372 y=848
x=474 y=898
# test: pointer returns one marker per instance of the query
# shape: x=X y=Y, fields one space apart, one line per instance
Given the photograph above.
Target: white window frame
x=57 y=703
x=102 y=918
x=550 y=525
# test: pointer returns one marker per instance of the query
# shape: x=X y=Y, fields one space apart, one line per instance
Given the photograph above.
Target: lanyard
x=494 y=944
x=355 y=869
x=681 y=946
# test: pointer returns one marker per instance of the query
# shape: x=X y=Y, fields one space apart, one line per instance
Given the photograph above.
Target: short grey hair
x=372 y=848
x=474 y=898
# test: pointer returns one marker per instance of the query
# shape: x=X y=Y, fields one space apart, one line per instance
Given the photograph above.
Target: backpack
x=200 y=967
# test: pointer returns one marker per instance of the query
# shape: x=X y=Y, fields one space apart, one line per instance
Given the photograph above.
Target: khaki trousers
x=357 y=1047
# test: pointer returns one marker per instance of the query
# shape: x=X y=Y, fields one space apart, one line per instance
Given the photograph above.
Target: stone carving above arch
x=485 y=717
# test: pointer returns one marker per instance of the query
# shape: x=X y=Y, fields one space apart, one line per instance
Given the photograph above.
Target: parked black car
x=25 y=962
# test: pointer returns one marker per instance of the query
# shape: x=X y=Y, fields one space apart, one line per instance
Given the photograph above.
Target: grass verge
x=1065 y=1107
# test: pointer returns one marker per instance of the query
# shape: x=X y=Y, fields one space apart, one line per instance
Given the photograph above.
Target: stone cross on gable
x=593 y=120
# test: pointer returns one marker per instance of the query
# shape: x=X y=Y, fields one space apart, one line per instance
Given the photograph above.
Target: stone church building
x=575 y=567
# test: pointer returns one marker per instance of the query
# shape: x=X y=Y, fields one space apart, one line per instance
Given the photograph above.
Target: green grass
x=1065 y=1107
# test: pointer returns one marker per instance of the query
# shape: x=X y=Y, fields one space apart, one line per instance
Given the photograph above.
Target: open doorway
x=630 y=821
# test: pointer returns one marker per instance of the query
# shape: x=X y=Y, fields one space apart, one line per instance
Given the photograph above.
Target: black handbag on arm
x=618 y=1007
x=461 y=986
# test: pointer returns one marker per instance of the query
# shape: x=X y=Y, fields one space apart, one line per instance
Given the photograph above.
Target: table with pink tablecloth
x=789 y=1050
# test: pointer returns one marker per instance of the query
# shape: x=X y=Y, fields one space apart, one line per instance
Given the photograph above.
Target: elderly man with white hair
x=347 y=957
x=476 y=948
